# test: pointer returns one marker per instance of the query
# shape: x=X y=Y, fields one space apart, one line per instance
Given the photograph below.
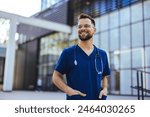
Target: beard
x=86 y=37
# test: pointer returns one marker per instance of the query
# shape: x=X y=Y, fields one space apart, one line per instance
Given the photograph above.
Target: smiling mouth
x=83 y=34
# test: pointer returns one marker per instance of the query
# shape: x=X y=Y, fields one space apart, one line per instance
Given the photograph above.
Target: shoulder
x=101 y=51
x=69 y=49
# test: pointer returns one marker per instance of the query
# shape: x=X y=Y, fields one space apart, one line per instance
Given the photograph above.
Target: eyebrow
x=90 y=25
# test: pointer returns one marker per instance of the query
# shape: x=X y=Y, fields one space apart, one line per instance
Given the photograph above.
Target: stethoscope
x=96 y=57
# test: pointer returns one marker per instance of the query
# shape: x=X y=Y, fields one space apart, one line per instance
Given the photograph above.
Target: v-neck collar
x=85 y=53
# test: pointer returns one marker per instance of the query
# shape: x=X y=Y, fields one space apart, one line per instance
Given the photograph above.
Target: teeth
x=83 y=33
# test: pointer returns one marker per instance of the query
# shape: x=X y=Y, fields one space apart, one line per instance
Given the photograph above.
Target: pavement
x=47 y=95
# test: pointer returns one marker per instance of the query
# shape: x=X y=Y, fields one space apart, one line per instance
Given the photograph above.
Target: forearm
x=58 y=81
x=105 y=85
x=105 y=82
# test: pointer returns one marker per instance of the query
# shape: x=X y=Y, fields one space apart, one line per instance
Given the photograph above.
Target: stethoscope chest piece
x=75 y=62
x=99 y=72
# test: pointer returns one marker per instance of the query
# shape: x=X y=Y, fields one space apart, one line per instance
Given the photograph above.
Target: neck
x=88 y=45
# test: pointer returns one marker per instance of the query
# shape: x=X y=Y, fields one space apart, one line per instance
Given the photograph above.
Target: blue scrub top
x=83 y=76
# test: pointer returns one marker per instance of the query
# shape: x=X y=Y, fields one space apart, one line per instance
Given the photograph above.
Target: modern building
x=4 y=27
x=48 y=3
x=123 y=28
x=2 y=63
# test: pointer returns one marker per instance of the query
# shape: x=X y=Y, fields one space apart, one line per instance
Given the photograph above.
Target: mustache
x=83 y=31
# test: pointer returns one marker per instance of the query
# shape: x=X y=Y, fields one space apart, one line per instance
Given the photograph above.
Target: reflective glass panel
x=147 y=9
x=104 y=40
x=125 y=81
x=114 y=19
x=125 y=37
x=114 y=39
x=137 y=34
x=115 y=60
x=147 y=56
x=136 y=12
x=124 y=16
x=138 y=58
x=96 y=40
x=125 y=59
x=147 y=32
x=104 y=23
x=97 y=23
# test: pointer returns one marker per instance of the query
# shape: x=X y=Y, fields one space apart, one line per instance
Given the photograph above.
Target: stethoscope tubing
x=96 y=56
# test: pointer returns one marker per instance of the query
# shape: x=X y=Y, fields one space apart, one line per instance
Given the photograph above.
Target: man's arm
x=105 y=87
x=58 y=81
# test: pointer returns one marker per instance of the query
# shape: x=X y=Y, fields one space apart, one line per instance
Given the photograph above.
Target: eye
x=79 y=26
x=87 y=26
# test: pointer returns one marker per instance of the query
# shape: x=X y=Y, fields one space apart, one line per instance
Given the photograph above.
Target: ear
x=94 y=30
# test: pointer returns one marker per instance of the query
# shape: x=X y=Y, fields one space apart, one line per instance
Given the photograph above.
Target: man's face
x=85 y=29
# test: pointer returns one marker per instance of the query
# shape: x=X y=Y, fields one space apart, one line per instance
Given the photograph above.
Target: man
x=84 y=64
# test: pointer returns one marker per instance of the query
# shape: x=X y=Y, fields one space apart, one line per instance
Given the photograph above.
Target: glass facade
x=4 y=34
x=97 y=8
x=51 y=47
x=47 y=3
x=123 y=28
x=123 y=31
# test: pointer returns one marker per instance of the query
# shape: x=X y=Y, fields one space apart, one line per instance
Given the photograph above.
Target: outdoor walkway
x=40 y=95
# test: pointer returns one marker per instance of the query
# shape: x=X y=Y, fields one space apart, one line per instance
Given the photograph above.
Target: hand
x=72 y=92
x=103 y=92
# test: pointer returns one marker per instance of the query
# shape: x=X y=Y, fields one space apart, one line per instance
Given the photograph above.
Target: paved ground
x=40 y=95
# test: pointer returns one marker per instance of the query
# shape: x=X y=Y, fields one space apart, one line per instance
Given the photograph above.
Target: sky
x=21 y=7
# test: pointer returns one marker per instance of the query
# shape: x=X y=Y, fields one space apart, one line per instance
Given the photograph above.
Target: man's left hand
x=103 y=92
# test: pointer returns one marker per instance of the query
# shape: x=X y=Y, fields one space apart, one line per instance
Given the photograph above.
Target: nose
x=82 y=29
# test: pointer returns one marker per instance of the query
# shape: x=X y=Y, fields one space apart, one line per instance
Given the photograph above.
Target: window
x=125 y=59
x=125 y=81
x=115 y=60
x=136 y=12
x=137 y=35
x=114 y=19
x=104 y=41
x=147 y=56
x=146 y=9
x=96 y=8
x=124 y=16
x=147 y=32
x=100 y=7
x=138 y=58
x=104 y=23
x=114 y=39
x=112 y=5
x=96 y=40
x=97 y=22
x=125 y=3
x=103 y=7
x=125 y=37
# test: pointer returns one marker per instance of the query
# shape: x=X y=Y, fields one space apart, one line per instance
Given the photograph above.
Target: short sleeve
x=61 y=65
x=106 y=69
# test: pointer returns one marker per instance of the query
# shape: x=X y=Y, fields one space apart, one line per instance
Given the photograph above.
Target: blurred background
x=123 y=31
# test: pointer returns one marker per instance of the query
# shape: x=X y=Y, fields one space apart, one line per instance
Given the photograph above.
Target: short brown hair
x=83 y=16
